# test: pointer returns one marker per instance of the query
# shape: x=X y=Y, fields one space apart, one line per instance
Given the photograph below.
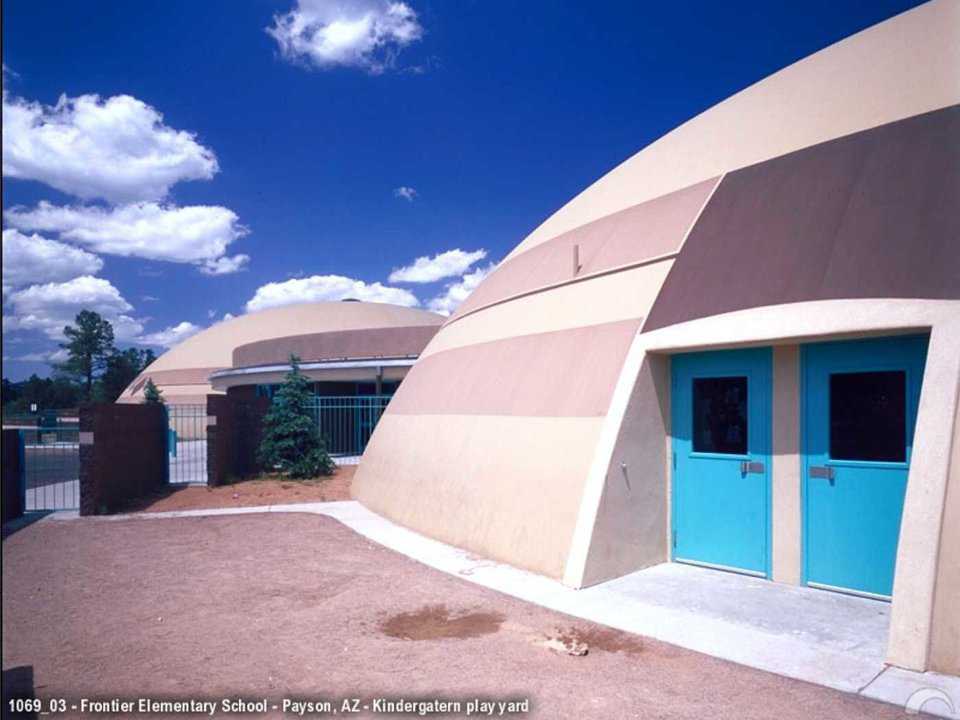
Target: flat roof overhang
x=342 y=369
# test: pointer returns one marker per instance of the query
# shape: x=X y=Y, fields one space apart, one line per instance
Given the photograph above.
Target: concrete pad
x=929 y=692
x=64 y=495
x=807 y=634
x=189 y=465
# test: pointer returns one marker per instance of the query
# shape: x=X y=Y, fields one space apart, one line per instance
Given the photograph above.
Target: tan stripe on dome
x=648 y=230
x=606 y=298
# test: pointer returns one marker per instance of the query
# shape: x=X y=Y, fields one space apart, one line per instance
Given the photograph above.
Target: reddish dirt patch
x=434 y=622
x=597 y=637
x=250 y=493
x=292 y=605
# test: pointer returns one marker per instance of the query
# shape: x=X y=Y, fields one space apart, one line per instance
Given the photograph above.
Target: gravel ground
x=300 y=606
x=248 y=493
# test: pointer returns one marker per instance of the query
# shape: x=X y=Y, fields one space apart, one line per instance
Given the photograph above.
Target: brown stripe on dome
x=336 y=345
x=870 y=215
x=648 y=230
x=565 y=373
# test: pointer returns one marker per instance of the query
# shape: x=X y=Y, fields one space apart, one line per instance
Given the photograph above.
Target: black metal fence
x=51 y=468
x=187 y=444
x=346 y=422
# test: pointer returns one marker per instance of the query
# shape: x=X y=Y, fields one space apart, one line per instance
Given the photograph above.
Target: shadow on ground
x=17 y=685
x=12 y=526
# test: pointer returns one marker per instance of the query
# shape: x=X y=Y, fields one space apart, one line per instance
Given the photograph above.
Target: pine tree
x=88 y=345
x=291 y=443
x=121 y=369
x=152 y=395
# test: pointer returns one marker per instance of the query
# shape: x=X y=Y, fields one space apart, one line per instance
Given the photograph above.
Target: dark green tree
x=291 y=443
x=152 y=395
x=88 y=345
x=55 y=393
x=120 y=369
x=10 y=392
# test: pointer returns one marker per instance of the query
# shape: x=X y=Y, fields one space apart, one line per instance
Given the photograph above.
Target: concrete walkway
x=824 y=638
x=53 y=496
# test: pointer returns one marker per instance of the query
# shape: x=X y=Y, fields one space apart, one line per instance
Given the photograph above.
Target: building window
x=266 y=391
x=720 y=415
x=868 y=416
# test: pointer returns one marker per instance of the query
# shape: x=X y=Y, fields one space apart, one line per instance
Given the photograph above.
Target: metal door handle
x=824 y=471
x=747 y=466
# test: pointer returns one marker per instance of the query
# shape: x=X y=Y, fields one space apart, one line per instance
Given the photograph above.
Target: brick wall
x=12 y=496
x=123 y=455
x=233 y=434
x=249 y=423
x=221 y=441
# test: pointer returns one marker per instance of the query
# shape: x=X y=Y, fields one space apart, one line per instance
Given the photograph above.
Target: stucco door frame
x=796 y=323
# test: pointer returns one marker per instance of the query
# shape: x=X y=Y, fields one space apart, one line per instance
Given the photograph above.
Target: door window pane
x=720 y=415
x=868 y=416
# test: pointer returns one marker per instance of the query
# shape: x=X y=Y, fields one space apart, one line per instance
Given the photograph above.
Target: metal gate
x=187 y=444
x=51 y=468
x=346 y=423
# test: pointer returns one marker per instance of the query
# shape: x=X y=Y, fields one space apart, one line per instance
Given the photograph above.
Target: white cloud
x=49 y=307
x=366 y=34
x=170 y=336
x=326 y=287
x=457 y=292
x=47 y=356
x=405 y=192
x=117 y=149
x=195 y=234
x=430 y=269
x=29 y=259
x=149 y=298
x=225 y=265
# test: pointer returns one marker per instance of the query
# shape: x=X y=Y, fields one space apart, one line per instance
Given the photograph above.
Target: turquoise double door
x=721 y=459
x=859 y=412
x=858 y=406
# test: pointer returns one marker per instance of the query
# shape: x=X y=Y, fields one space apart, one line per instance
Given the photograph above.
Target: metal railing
x=62 y=419
x=51 y=468
x=187 y=444
x=346 y=422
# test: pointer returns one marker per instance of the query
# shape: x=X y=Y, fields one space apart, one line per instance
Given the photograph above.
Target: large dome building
x=738 y=349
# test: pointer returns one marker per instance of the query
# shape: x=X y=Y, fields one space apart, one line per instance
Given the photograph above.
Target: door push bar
x=751 y=467
x=822 y=472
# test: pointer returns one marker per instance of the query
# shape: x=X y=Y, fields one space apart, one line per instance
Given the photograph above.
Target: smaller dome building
x=346 y=348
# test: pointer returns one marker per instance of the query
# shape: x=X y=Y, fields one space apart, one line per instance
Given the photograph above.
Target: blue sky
x=239 y=155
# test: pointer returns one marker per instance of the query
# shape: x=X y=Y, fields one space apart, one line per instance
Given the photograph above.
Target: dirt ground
x=248 y=493
x=300 y=606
